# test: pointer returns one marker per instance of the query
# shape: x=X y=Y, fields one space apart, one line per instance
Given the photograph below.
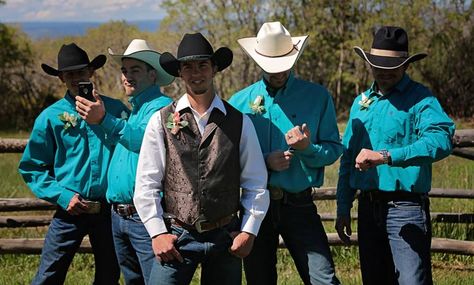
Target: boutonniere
x=175 y=123
x=70 y=120
x=257 y=105
x=124 y=115
x=365 y=102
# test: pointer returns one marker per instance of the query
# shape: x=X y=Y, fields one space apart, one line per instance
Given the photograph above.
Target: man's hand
x=242 y=245
x=298 y=137
x=77 y=206
x=92 y=112
x=367 y=159
x=279 y=160
x=163 y=247
x=343 y=228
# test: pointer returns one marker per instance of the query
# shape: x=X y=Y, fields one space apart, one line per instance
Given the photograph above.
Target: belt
x=278 y=193
x=386 y=196
x=124 y=210
x=203 y=226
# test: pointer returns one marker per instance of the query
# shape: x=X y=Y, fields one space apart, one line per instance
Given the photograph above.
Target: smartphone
x=93 y=206
x=85 y=90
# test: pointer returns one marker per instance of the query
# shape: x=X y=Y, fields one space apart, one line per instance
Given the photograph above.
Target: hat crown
x=194 y=45
x=273 y=39
x=391 y=38
x=137 y=45
x=71 y=55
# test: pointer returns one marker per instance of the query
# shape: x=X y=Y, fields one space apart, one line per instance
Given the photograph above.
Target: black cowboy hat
x=389 y=49
x=72 y=57
x=195 y=47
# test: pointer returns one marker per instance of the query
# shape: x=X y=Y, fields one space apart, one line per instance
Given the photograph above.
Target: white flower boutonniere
x=70 y=120
x=124 y=115
x=365 y=102
x=257 y=106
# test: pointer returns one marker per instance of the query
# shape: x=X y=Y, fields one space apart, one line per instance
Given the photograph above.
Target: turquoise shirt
x=128 y=134
x=58 y=163
x=408 y=122
x=297 y=103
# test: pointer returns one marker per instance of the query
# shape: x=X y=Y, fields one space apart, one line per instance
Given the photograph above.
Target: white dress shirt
x=151 y=166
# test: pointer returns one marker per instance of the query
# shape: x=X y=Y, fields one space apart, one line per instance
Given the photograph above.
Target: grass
x=449 y=269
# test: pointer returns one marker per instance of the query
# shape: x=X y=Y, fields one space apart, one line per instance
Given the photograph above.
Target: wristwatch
x=386 y=156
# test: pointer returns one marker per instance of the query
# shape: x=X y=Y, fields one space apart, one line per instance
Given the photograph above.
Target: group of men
x=167 y=186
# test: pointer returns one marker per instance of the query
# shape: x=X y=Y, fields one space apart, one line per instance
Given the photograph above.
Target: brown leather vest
x=202 y=174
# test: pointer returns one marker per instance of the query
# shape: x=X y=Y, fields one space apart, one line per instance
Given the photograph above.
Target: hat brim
x=222 y=58
x=96 y=63
x=150 y=57
x=274 y=64
x=387 y=62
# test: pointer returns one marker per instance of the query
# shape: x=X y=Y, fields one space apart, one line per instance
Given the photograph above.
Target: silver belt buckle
x=197 y=226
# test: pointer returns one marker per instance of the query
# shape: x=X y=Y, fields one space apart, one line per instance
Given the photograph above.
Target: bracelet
x=386 y=157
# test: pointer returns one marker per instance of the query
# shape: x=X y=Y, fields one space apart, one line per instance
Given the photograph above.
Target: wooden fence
x=463 y=142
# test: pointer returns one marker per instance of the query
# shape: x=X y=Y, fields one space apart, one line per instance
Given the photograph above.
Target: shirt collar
x=183 y=103
x=144 y=96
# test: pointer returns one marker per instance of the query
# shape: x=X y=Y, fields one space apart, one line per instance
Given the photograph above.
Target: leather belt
x=124 y=210
x=278 y=193
x=203 y=226
x=386 y=196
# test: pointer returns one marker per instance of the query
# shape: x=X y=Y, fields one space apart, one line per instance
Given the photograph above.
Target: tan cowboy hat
x=274 y=49
x=138 y=49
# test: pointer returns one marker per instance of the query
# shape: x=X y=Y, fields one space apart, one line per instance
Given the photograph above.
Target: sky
x=80 y=10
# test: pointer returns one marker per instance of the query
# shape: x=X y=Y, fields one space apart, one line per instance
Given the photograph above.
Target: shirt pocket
x=397 y=128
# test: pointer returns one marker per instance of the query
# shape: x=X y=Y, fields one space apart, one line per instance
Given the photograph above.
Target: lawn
x=449 y=269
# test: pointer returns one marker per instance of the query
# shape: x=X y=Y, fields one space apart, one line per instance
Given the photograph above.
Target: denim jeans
x=133 y=248
x=300 y=227
x=64 y=237
x=210 y=249
x=394 y=242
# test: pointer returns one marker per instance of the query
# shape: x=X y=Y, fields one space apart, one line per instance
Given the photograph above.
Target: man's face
x=138 y=76
x=126 y=86
x=387 y=78
x=277 y=80
x=73 y=77
x=198 y=76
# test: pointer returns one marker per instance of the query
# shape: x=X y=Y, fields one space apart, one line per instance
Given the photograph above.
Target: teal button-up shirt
x=58 y=163
x=297 y=103
x=408 y=122
x=128 y=134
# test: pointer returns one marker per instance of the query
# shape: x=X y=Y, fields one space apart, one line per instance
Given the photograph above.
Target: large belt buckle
x=276 y=193
x=197 y=226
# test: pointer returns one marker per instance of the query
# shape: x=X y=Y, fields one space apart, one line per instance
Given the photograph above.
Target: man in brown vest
x=196 y=155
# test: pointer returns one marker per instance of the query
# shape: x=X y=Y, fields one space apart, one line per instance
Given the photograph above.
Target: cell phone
x=93 y=206
x=85 y=90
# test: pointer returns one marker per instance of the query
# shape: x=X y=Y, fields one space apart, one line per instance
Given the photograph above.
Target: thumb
x=305 y=130
x=96 y=96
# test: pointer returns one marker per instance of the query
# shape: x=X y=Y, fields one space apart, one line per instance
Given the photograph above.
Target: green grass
x=449 y=269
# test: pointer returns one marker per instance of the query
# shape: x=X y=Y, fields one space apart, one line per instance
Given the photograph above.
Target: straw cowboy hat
x=138 y=49
x=71 y=57
x=274 y=49
x=389 y=49
x=195 y=47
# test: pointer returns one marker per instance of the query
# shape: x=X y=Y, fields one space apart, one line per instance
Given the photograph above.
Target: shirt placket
x=94 y=148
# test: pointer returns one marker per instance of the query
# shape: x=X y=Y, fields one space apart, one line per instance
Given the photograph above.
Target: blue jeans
x=133 y=248
x=210 y=249
x=394 y=241
x=300 y=227
x=64 y=237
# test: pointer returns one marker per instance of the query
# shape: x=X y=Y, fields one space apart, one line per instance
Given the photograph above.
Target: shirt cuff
x=108 y=123
x=65 y=197
x=155 y=226
x=250 y=224
x=397 y=156
x=310 y=150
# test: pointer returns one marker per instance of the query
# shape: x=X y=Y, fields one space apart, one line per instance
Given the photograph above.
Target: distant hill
x=37 y=30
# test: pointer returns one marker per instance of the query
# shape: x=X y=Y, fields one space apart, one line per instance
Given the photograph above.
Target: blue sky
x=80 y=10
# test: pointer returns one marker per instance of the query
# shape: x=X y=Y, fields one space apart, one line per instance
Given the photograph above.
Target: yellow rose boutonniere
x=257 y=106
x=70 y=120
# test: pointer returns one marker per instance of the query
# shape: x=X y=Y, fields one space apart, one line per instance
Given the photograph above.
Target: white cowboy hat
x=138 y=49
x=274 y=49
